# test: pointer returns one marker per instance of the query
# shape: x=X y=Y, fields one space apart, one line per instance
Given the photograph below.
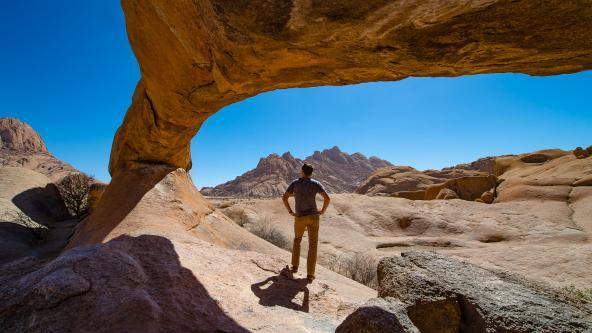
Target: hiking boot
x=310 y=278
x=294 y=269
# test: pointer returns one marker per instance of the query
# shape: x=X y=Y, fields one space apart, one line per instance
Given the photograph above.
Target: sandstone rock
x=94 y=195
x=581 y=153
x=21 y=146
x=164 y=259
x=407 y=182
x=466 y=188
x=378 y=316
x=197 y=57
x=446 y=194
x=487 y=197
x=551 y=180
x=442 y=294
x=484 y=164
x=29 y=205
x=338 y=171
x=411 y=195
x=586 y=181
x=19 y=136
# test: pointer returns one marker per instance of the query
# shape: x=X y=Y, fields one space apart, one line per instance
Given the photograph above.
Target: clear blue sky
x=67 y=69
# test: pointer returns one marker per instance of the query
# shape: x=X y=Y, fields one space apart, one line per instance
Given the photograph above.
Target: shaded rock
x=446 y=194
x=411 y=195
x=581 y=153
x=94 y=195
x=378 y=316
x=466 y=188
x=487 y=197
x=535 y=158
x=586 y=181
x=29 y=204
x=484 y=164
x=443 y=294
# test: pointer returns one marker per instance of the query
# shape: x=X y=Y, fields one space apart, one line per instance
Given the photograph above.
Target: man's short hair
x=307 y=169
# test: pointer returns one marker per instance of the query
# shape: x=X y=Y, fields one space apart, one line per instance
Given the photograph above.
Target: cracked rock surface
x=439 y=293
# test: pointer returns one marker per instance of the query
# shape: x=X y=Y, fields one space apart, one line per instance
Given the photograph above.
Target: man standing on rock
x=304 y=190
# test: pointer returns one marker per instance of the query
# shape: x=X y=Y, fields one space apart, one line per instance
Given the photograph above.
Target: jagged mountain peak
x=337 y=170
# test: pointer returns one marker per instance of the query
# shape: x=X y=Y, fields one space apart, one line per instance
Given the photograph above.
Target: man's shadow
x=282 y=291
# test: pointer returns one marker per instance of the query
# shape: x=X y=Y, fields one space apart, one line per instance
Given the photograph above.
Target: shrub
x=74 y=189
x=360 y=267
x=267 y=230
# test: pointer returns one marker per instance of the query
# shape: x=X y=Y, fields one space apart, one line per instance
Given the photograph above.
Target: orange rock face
x=198 y=56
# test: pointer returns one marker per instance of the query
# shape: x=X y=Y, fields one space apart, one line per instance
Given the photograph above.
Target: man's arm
x=326 y=201
x=286 y=203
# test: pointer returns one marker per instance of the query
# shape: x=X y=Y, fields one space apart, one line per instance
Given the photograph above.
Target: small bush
x=74 y=189
x=360 y=267
x=267 y=230
x=581 y=294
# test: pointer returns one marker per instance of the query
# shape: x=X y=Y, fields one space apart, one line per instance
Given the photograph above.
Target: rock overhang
x=198 y=56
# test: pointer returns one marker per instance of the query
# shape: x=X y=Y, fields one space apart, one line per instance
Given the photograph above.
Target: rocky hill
x=339 y=172
x=21 y=146
x=410 y=183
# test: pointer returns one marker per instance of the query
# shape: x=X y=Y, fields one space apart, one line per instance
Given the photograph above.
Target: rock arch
x=197 y=56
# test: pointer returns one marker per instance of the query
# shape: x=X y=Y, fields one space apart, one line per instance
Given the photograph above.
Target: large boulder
x=467 y=188
x=438 y=293
x=446 y=194
x=29 y=204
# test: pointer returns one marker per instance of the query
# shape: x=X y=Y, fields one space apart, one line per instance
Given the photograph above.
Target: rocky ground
x=539 y=224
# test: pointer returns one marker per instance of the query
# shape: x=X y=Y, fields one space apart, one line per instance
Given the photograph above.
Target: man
x=304 y=190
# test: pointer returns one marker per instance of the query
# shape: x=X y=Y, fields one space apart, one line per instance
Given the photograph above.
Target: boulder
x=438 y=293
x=467 y=188
x=446 y=194
x=487 y=197
x=581 y=153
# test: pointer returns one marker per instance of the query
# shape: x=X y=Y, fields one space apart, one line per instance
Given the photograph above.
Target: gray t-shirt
x=305 y=191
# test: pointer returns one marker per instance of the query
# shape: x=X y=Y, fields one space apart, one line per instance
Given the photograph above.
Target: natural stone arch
x=197 y=56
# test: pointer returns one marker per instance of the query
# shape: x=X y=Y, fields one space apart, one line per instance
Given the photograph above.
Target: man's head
x=306 y=170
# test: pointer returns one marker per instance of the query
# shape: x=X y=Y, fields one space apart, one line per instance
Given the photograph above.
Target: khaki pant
x=311 y=224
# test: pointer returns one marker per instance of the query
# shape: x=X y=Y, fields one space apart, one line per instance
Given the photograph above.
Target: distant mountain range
x=338 y=171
